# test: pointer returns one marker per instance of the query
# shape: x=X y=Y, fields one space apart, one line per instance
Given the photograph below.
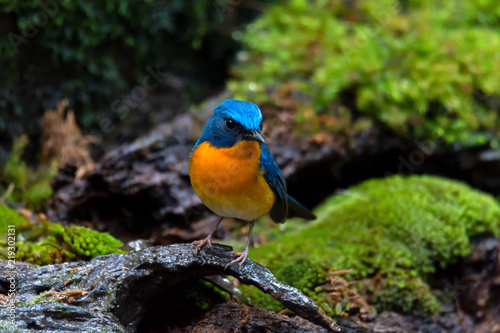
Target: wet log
x=111 y=293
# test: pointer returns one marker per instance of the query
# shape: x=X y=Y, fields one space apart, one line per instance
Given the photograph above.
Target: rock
x=392 y=322
x=111 y=293
x=233 y=317
x=478 y=289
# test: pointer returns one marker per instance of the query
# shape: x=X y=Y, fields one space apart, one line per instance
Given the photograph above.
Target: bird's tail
x=295 y=209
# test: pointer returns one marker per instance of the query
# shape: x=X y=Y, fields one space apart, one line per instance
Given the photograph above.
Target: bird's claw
x=202 y=243
x=242 y=256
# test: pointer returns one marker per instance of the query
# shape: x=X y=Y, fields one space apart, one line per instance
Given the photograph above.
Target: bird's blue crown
x=245 y=113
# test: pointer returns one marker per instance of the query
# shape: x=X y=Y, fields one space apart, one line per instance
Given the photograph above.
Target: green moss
x=9 y=217
x=20 y=184
x=84 y=243
x=301 y=273
x=42 y=242
x=423 y=68
x=399 y=229
x=410 y=295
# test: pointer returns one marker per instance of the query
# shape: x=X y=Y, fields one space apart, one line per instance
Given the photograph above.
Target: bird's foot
x=202 y=243
x=242 y=256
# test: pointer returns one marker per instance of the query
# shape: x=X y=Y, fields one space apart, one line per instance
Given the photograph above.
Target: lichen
x=393 y=233
x=42 y=242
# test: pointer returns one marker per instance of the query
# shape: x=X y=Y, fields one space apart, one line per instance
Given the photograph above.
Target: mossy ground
x=41 y=242
x=393 y=233
x=426 y=69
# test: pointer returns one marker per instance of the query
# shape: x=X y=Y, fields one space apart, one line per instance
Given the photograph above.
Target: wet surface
x=119 y=286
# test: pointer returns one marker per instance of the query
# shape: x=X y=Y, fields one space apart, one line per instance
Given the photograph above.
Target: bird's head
x=232 y=122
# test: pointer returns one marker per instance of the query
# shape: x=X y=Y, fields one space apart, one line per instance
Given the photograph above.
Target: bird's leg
x=208 y=239
x=242 y=256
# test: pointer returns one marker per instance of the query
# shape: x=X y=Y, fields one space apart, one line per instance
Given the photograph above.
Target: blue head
x=232 y=122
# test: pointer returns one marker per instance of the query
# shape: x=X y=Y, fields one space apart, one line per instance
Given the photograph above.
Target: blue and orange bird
x=234 y=173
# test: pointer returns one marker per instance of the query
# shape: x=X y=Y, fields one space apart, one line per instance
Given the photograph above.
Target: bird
x=234 y=174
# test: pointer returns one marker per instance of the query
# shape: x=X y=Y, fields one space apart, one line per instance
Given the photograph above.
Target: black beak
x=255 y=136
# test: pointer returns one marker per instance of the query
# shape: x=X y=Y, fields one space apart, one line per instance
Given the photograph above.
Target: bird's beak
x=255 y=136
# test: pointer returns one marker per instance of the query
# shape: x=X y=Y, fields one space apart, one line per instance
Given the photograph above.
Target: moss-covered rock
x=428 y=69
x=392 y=232
x=41 y=242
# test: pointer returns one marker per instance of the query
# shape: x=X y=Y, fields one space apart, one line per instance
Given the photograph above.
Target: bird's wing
x=274 y=179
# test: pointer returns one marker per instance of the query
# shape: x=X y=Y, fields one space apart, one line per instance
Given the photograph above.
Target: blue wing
x=274 y=179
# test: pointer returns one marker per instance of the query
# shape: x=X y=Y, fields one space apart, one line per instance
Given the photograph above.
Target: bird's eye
x=230 y=124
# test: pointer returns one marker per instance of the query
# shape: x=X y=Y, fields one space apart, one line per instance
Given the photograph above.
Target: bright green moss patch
x=396 y=229
x=429 y=69
x=40 y=242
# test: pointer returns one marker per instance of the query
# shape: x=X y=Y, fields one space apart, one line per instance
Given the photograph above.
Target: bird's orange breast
x=229 y=180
